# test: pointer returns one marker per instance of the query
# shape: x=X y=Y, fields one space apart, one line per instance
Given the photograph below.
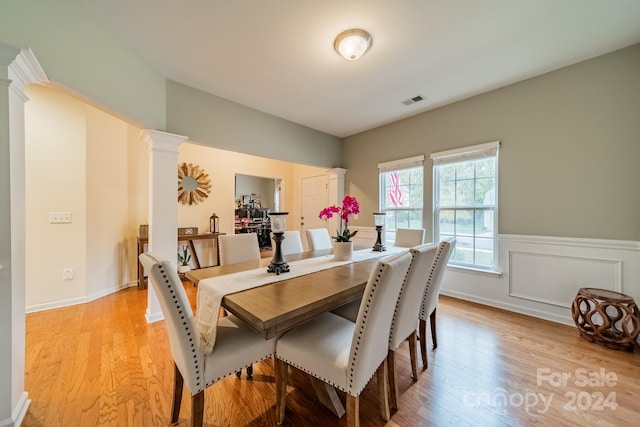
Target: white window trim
x=397 y=165
x=407 y=163
x=488 y=149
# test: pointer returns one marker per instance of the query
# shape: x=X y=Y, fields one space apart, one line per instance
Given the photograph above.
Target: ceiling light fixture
x=352 y=44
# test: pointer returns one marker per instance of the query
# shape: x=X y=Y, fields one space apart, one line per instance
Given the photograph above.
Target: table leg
x=196 y=261
x=328 y=396
x=142 y=284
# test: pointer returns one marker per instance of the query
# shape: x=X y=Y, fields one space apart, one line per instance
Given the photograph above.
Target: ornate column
x=18 y=68
x=163 y=203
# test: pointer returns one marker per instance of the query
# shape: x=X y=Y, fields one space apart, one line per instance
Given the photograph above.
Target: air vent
x=413 y=100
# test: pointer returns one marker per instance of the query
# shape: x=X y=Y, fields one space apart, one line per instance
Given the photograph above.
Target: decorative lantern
x=214 y=223
x=278 y=226
x=378 y=219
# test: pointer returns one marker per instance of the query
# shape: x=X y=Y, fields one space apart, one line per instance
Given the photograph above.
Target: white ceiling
x=277 y=56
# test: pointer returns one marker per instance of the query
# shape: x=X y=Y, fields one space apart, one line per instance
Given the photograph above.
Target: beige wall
x=222 y=167
x=55 y=181
x=76 y=161
x=82 y=160
x=569 y=156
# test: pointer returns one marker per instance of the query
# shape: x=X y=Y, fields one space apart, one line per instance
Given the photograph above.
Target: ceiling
x=277 y=56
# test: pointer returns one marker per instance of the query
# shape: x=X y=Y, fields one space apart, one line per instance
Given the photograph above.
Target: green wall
x=78 y=52
x=224 y=124
x=569 y=162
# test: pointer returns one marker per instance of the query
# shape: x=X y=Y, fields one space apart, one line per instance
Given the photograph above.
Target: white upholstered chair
x=406 y=315
x=342 y=353
x=430 y=298
x=318 y=239
x=235 y=248
x=409 y=237
x=236 y=345
x=292 y=243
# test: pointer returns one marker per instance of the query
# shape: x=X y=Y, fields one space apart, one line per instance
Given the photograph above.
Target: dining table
x=274 y=304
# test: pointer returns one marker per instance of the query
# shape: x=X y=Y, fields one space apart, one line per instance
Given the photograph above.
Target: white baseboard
x=510 y=307
x=18 y=413
x=21 y=408
x=541 y=275
x=79 y=300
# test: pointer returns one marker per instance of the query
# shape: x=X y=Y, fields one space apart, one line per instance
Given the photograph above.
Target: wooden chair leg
x=423 y=343
x=197 y=409
x=393 y=384
x=178 y=383
x=412 y=355
x=249 y=372
x=434 y=337
x=383 y=391
x=353 y=411
x=282 y=371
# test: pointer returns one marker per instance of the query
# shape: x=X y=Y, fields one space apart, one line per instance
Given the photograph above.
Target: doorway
x=314 y=198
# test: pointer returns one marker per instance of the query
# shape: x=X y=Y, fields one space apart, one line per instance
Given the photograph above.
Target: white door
x=314 y=198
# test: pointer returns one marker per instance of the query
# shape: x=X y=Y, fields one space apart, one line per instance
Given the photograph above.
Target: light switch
x=59 y=217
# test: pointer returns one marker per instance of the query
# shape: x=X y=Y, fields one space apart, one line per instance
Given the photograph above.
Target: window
x=401 y=194
x=465 y=203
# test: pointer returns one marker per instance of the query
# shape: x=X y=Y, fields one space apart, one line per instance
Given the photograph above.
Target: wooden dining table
x=277 y=307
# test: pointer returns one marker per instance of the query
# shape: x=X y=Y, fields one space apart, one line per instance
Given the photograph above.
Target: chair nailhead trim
x=196 y=366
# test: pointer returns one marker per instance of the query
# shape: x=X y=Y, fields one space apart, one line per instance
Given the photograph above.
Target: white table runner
x=212 y=290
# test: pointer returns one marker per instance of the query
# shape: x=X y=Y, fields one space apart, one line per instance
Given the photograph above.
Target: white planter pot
x=342 y=251
x=184 y=268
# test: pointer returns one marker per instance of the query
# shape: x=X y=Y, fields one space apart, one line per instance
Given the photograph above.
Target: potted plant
x=343 y=247
x=184 y=258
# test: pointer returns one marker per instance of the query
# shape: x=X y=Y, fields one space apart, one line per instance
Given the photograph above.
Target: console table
x=189 y=238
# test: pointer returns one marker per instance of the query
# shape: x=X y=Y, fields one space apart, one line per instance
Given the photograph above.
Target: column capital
x=162 y=141
x=25 y=70
x=336 y=171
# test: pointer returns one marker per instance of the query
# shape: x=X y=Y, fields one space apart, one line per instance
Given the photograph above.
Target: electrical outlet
x=59 y=217
x=67 y=274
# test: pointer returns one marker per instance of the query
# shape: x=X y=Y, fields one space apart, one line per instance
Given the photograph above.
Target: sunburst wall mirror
x=194 y=184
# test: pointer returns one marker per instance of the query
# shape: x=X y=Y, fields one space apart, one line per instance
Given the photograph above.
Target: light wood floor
x=101 y=364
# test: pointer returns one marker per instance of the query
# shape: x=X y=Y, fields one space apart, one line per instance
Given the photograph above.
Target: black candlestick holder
x=278 y=264
x=379 y=247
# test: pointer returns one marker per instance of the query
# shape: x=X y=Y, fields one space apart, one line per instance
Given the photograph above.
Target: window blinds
x=487 y=149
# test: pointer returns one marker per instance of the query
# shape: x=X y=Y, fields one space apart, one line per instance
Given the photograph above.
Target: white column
x=163 y=203
x=18 y=68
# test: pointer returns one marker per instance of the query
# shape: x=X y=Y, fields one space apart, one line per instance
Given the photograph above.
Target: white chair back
x=179 y=320
x=432 y=291
x=405 y=317
x=371 y=335
x=318 y=239
x=235 y=248
x=409 y=237
x=292 y=243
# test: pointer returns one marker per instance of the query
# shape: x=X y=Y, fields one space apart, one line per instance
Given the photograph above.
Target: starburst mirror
x=194 y=184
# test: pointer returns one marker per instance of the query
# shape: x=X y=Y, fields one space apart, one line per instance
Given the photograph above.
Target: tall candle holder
x=378 y=218
x=278 y=226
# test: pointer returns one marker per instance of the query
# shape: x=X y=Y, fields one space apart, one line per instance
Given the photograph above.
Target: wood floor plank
x=101 y=364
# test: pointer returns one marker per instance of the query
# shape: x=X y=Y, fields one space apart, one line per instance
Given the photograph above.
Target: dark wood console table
x=142 y=283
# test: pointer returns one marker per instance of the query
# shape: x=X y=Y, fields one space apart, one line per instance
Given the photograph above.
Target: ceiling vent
x=413 y=100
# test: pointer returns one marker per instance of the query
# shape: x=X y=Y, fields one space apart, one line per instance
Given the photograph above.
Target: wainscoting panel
x=552 y=279
x=540 y=275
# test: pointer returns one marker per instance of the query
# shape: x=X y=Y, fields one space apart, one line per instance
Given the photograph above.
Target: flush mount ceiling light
x=352 y=44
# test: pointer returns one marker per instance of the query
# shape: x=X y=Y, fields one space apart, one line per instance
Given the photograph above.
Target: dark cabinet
x=254 y=220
